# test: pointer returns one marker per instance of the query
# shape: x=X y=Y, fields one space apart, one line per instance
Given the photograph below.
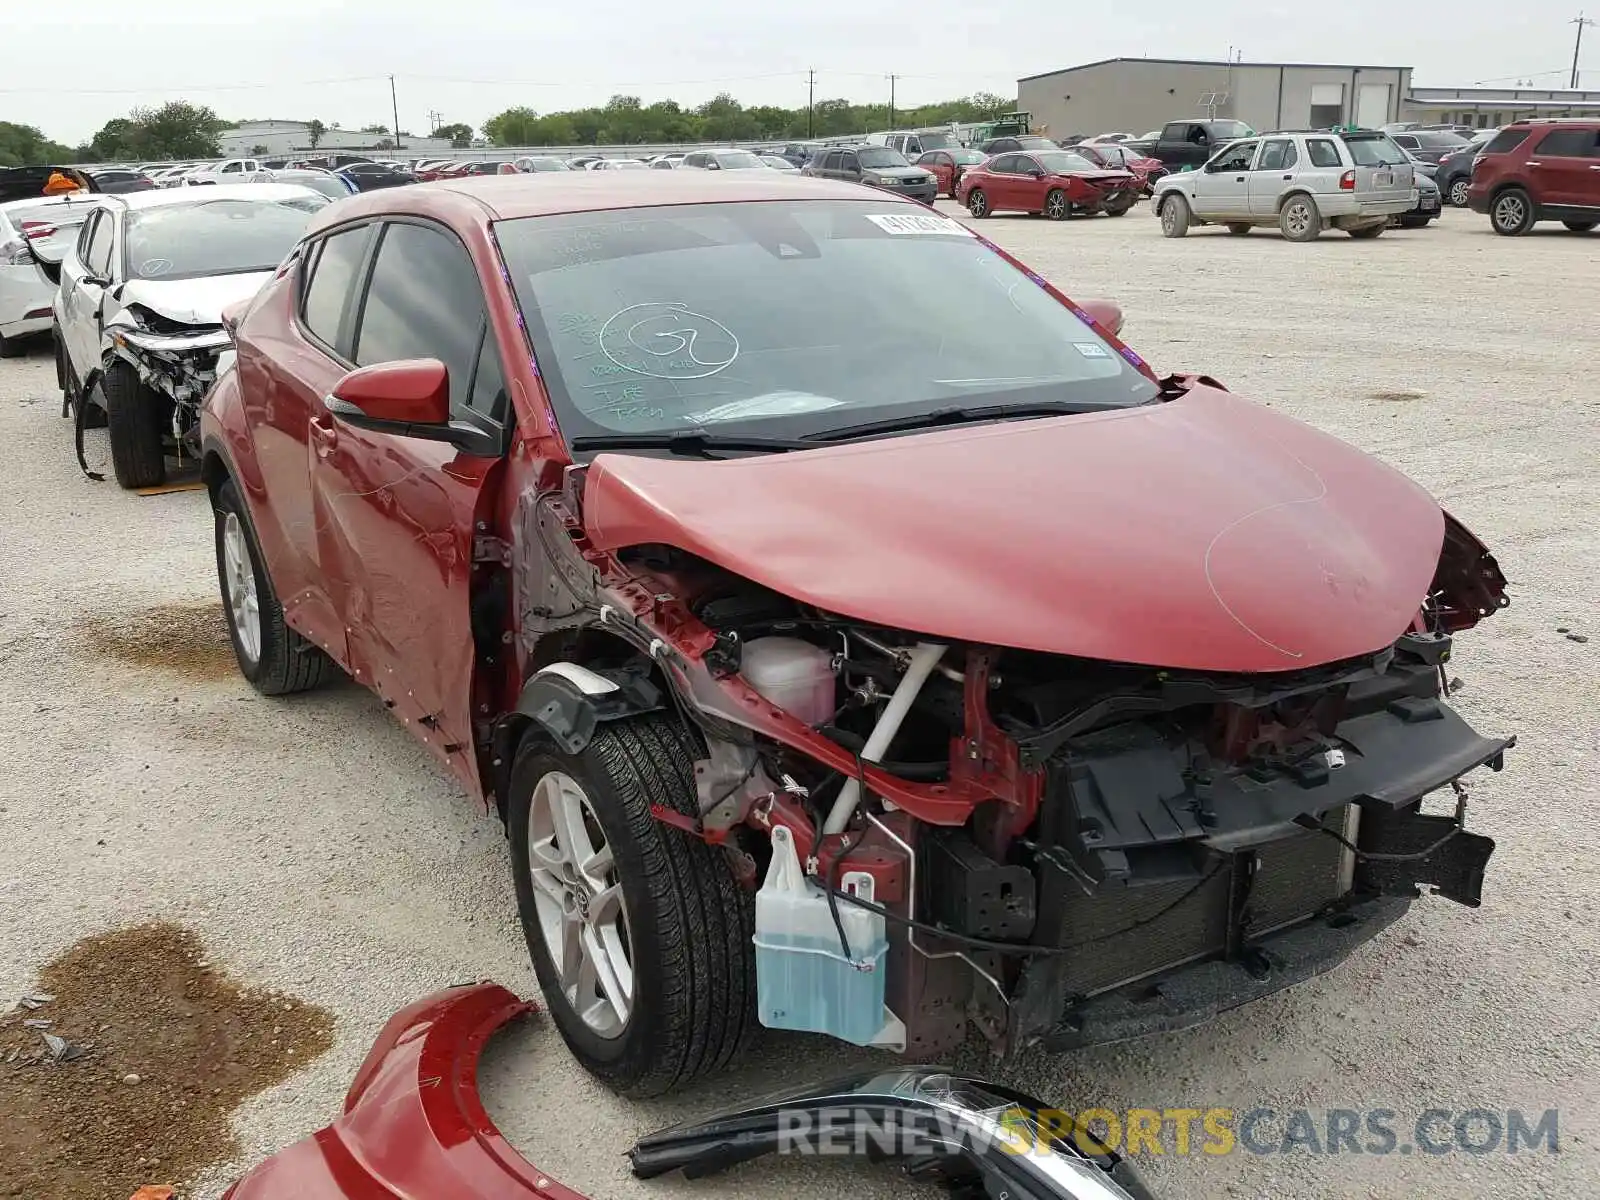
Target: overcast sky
x=72 y=66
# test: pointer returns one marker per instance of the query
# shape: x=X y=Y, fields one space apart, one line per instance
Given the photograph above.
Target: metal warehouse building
x=1135 y=95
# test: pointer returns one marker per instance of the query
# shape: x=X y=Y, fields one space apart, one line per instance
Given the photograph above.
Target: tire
x=1300 y=220
x=276 y=660
x=12 y=347
x=955 y=180
x=685 y=922
x=1174 y=217
x=1056 y=205
x=1456 y=193
x=134 y=415
x=1118 y=210
x=1580 y=226
x=1511 y=213
x=1238 y=228
x=1367 y=232
x=978 y=203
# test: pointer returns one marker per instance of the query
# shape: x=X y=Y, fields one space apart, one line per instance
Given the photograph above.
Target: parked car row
x=754 y=726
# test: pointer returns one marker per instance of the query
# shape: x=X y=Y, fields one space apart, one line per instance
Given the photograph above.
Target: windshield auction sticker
x=918 y=223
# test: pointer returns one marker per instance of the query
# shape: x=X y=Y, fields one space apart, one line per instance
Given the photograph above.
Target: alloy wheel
x=1510 y=211
x=578 y=896
x=1055 y=206
x=244 y=605
x=1458 y=192
x=1298 y=218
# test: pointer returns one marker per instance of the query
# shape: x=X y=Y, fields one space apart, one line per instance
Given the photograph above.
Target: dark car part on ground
x=975 y=1137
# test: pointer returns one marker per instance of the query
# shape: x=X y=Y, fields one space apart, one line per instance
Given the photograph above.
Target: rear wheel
x=1056 y=207
x=1300 y=220
x=1238 y=228
x=978 y=203
x=1511 y=214
x=272 y=657
x=134 y=414
x=1174 y=217
x=1580 y=226
x=639 y=933
x=1458 y=190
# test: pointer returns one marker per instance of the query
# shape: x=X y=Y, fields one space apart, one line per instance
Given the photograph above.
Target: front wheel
x=977 y=203
x=272 y=657
x=135 y=415
x=1300 y=220
x=1056 y=207
x=1511 y=214
x=1174 y=217
x=640 y=934
x=1580 y=226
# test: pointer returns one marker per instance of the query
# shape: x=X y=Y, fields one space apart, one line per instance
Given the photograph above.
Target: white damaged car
x=138 y=310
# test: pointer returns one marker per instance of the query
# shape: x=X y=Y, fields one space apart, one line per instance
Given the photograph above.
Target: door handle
x=323 y=433
x=1238 y=178
x=1288 y=178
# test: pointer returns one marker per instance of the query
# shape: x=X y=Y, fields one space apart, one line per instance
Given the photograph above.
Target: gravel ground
x=316 y=849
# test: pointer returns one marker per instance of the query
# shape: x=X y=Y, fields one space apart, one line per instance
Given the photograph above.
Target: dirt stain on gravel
x=1397 y=397
x=170 y=1046
x=187 y=639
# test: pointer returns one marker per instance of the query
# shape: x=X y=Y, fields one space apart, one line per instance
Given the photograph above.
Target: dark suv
x=1545 y=170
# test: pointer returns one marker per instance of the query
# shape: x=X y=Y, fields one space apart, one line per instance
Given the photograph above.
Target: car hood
x=194 y=301
x=1207 y=533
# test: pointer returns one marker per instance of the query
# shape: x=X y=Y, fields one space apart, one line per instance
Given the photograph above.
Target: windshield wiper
x=959 y=416
x=691 y=442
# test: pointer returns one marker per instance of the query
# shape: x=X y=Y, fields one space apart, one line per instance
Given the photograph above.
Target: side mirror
x=406 y=398
x=713 y=165
x=1106 y=313
x=1036 y=172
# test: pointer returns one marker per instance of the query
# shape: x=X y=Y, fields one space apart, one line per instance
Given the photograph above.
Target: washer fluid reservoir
x=792 y=674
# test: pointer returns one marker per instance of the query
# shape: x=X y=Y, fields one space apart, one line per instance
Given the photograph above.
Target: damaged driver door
x=85 y=277
x=398 y=513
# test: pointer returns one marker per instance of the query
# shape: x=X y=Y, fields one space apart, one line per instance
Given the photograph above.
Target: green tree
x=314 y=132
x=374 y=129
x=174 y=130
x=460 y=135
x=24 y=145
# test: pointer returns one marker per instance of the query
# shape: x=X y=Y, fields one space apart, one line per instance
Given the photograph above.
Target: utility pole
x=891 y=101
x=811 y=101
x=434 y=118
x=1580 y=21
x=394 y=107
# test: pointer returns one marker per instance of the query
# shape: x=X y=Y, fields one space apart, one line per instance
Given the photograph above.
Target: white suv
x=1302 y=182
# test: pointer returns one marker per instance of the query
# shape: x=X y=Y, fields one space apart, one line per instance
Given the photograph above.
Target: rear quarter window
x=1569 y=143
x=1507 y=140
x=1323 y=153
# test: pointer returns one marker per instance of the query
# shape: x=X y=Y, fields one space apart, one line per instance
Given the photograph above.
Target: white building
x=294 y=137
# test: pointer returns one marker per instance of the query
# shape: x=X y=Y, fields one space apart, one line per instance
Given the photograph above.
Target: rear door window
x=424 y=301
x=1568 y=143
x=1274 y=155
x=330 y=292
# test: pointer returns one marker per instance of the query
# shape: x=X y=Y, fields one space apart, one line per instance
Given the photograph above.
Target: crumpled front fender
x=413 y=1125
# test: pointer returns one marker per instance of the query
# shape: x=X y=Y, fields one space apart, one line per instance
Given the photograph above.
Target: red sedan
x=1057 y=183
x=946 y=167
x=1112 y=157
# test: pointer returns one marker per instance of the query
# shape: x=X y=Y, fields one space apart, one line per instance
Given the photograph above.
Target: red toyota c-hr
x=713 y=528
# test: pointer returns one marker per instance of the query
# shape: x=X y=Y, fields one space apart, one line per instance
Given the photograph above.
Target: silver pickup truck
x=1303 y=182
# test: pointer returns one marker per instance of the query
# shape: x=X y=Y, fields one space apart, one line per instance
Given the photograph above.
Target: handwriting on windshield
x=667 y=341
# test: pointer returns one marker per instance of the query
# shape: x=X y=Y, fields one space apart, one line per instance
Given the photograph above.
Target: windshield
x=1378 y=151
x=215 y=237
x=738 y=160
x=327 y=185
x=790 y=318
x=1059 y=162
x=881 y=156
x=968 y=158
x=544 y=164
x=937 y=141
x=1229 y=129
x=1439 y=139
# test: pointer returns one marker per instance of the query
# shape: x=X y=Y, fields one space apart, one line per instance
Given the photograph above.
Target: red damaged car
x=1111 y=156
x=842 y=649
x=1057 y=183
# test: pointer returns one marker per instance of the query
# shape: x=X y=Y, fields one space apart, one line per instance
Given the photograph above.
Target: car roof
x=165 y=197
x=509 y=197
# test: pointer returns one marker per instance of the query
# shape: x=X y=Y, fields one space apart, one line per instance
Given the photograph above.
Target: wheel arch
x=577 y=680
x=1284 y=199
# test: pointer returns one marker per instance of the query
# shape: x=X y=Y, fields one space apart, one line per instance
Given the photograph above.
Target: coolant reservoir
x=792 y=674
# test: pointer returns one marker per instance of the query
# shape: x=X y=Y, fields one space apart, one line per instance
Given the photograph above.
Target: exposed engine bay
x=179 y=361
x=1063 y=851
